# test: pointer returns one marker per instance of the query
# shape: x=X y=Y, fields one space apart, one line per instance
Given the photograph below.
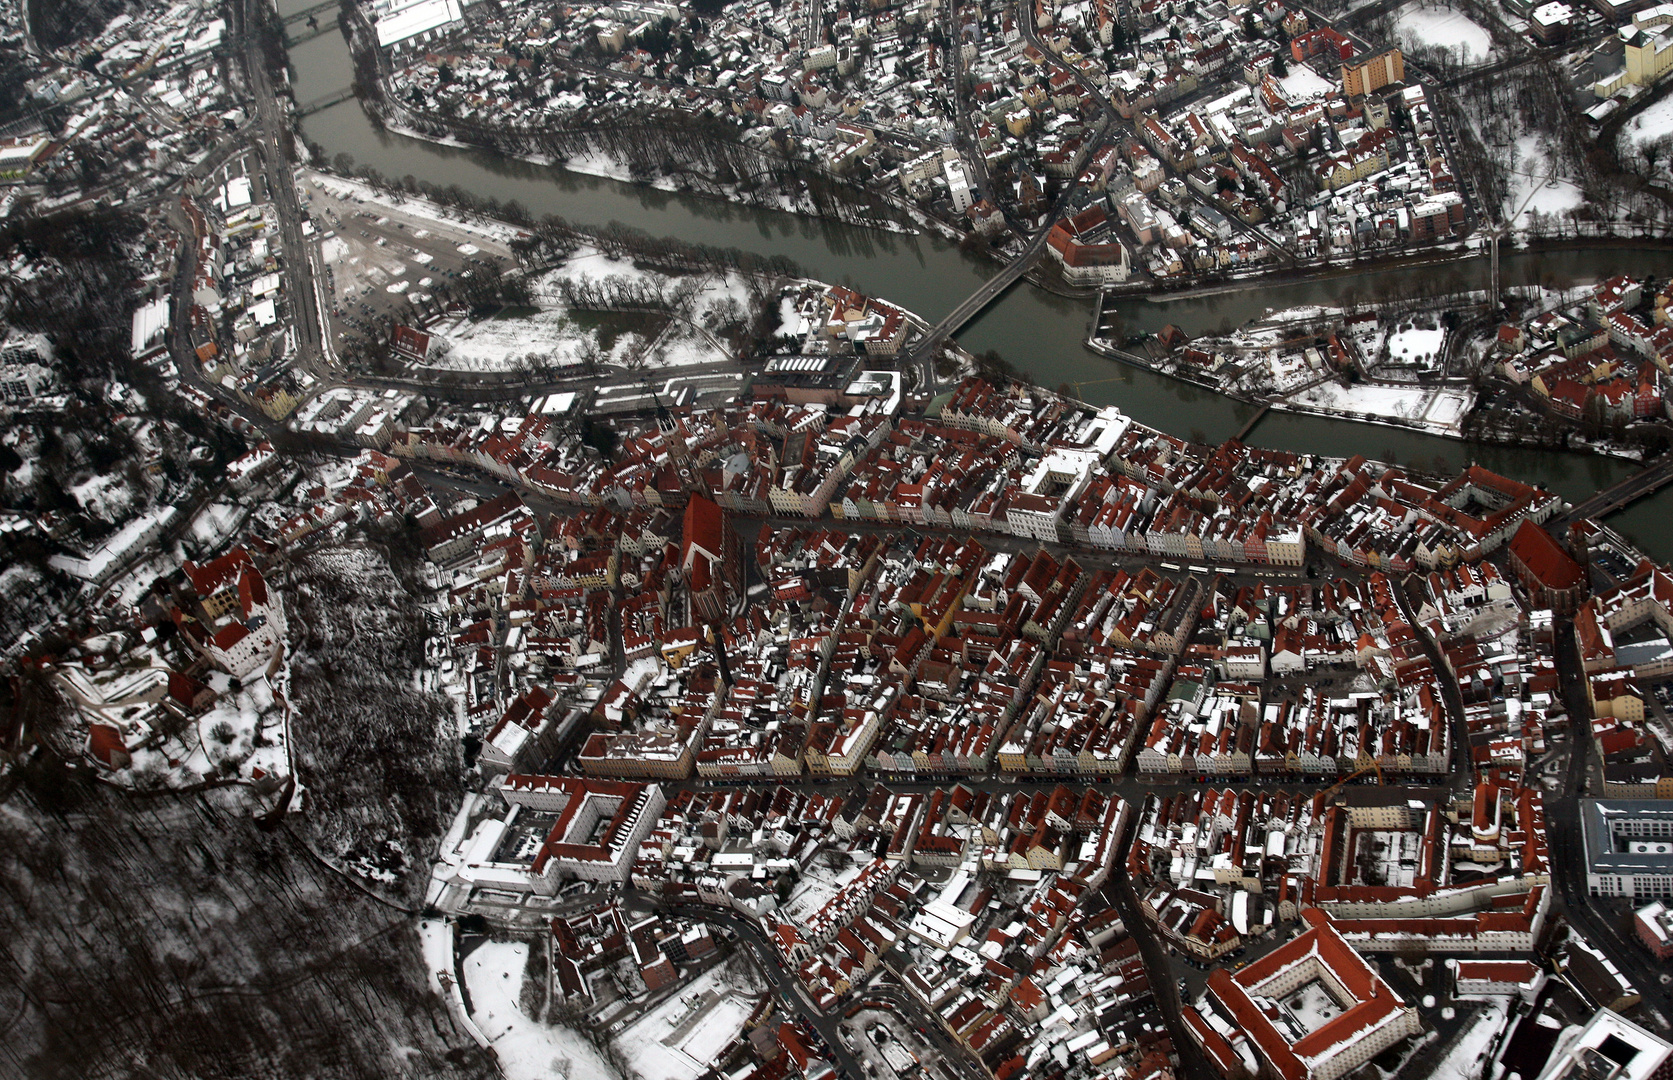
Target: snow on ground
x=436 y=938
x=1437 y=408
x=595 y=163
x=141 y=529
x=107 y=497
x=1655 y=121
x=1415 y=346
x=1304 y=84
x=1313 y=1006
x=1421 y=24
x=1463 y=1059
x=819 y=883
x=216 y=524
x=1534 y=186
x=681 y=1038
x=504 y=344
x=527 y=1049
x=550 y=335
x=443 y=217
x=791 y=324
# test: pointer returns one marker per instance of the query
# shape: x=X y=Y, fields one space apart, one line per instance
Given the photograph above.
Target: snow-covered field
x=1415 y=346
x=1655 y=121
x=1436 y=408
x=527 y=1049
x=682 y=1037
x=1423 y=24
x=1533 y=185
x=552 y=336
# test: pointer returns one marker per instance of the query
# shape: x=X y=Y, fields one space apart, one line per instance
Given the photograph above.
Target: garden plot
x=1425 y=24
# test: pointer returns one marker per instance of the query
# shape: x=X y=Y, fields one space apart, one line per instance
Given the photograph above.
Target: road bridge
x=311 y=12
x=1619 y=495
x=976 y=301
x=325 y=101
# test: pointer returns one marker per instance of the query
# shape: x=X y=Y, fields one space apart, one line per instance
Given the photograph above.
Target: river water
x=1038 y=332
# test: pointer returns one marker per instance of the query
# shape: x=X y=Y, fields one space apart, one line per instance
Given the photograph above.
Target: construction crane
x=1373 y=767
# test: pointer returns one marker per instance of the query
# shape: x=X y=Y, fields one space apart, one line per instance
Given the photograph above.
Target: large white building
x=1629 y=846
x=1611 y=1047
x=595 y=835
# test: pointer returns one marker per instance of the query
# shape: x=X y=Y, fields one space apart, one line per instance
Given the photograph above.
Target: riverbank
x=1442 y=410
x=1040 y=333
x=1453 y=256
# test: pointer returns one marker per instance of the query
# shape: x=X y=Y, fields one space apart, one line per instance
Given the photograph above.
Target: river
x=1038 y=332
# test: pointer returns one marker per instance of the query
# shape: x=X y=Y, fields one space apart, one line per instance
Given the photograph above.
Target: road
x=783 y=985
x=1115 y=121
x=1089 y=556
x=1568 y=856
x=1633 y=488
x=272 y=145
x=1451 y=697
x=892 y=998
x=922 y=353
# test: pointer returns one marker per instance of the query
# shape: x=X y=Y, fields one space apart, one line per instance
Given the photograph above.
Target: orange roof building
x=1313 y=1009
x=1551 y=574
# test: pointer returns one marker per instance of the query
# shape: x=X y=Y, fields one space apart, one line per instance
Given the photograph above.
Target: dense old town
x=818 y=540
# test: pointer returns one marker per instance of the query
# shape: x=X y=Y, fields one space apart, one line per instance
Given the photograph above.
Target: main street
x=1568 y=855
x=272 y=144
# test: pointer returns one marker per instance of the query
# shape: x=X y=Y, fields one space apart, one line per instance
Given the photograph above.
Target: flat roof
x=1638 y=1052
x=1600 y=819
x=415 y=19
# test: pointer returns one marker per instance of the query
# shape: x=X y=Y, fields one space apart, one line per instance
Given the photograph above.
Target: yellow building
x=1649 y=58
x=1373 y=73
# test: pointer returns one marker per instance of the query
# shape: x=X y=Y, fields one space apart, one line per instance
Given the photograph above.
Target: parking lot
x=384 y=265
